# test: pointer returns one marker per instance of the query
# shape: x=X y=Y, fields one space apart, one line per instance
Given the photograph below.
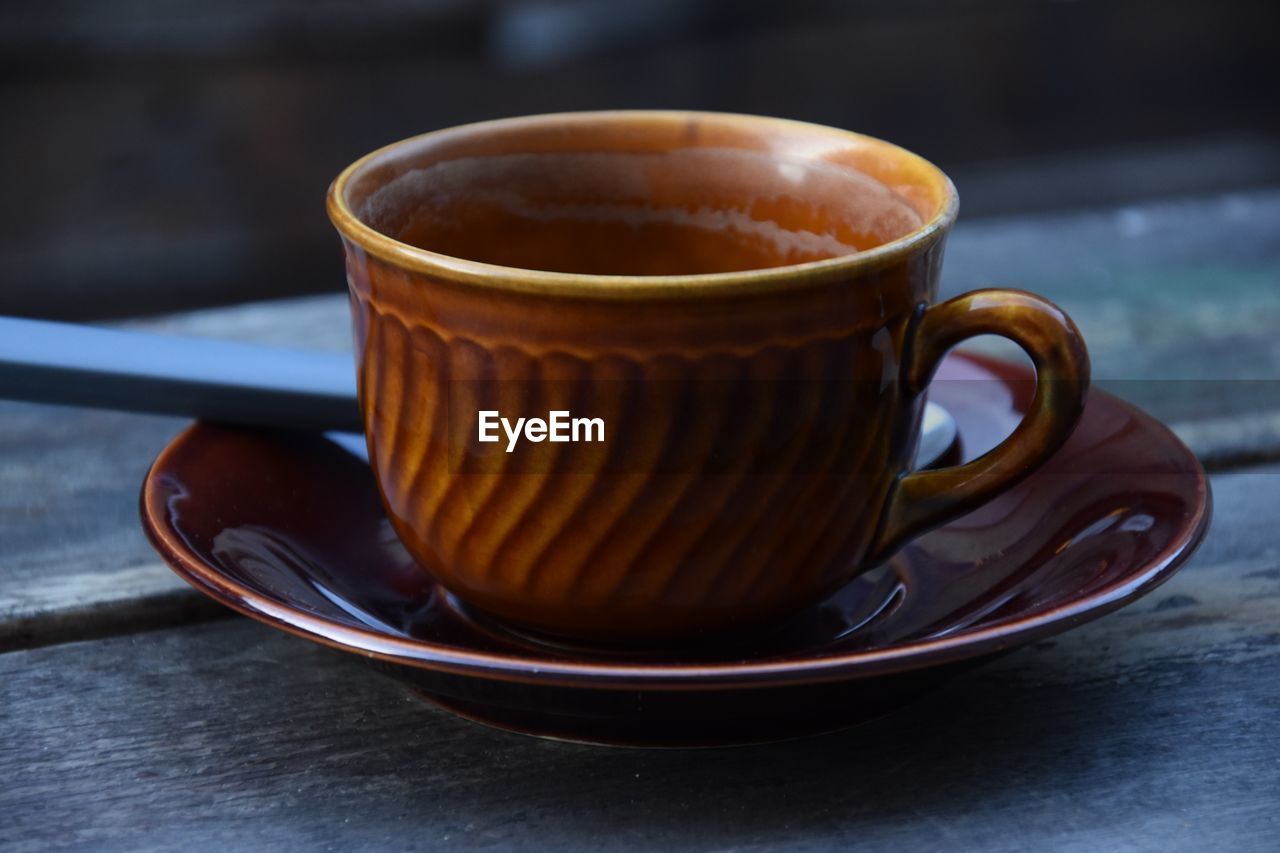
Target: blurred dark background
x=162 y=154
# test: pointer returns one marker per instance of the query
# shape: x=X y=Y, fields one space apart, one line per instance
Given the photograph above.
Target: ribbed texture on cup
x=632 y=550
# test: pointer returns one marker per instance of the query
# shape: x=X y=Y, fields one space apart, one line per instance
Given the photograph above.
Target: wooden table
x=135 y=714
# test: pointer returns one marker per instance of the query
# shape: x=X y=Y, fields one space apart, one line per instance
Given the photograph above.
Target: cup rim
x=613 y=287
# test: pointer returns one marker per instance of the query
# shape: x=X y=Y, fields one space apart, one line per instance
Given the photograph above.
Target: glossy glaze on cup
x=289 y=531
x=648 y=554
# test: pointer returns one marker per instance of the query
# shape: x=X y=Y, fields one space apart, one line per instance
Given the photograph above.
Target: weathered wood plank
x=1154 y=728
x=1178 y=300
x=73 y=562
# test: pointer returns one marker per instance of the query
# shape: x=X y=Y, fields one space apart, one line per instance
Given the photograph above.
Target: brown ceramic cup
x=745 y=303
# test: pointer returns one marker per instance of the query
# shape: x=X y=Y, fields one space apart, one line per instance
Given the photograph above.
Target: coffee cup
x=641 y=377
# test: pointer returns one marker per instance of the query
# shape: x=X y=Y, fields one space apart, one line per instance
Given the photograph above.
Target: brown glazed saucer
x=287 y=528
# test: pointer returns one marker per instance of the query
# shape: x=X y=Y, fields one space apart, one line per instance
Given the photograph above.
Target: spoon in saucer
x=252 y=384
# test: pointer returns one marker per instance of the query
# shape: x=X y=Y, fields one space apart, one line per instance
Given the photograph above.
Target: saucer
x=287 y=528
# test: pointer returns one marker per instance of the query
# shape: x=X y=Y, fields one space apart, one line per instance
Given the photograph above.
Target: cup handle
x=924 y=499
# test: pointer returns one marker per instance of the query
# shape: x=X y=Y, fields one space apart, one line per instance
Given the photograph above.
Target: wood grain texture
x=1151 y=729
x=1177 y=300
x=73 y=561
